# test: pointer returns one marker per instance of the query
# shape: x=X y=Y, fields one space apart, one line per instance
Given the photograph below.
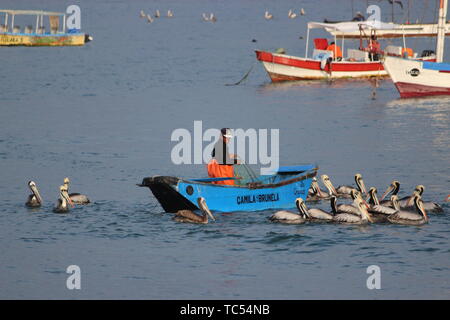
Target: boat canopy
x=352 y=26
x=32 y=12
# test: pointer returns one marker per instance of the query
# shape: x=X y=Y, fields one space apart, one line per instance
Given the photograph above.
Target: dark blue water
x=103 y=115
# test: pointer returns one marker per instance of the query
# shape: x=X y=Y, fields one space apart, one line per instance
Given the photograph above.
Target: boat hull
x=7 y=39
x=177 y=194
x=282 y=67
x=418 y=79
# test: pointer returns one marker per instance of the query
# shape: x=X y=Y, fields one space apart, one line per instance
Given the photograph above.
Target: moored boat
x=276 y=191
x=325 y=64
x=421 y=78
x=11 y=34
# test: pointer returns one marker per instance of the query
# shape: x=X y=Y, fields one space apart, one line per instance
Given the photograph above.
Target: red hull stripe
x=408 y=90
x=315 y=65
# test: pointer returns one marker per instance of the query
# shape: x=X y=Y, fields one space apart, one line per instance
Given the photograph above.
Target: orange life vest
x=338 y=50
x=215 y=170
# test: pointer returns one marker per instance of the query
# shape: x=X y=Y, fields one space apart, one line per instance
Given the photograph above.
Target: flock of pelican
x=157 y=14
x=65 y=199
x=291 y=14
x=365 y=208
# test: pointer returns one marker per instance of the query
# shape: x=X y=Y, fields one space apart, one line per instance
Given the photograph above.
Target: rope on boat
x=245 y=77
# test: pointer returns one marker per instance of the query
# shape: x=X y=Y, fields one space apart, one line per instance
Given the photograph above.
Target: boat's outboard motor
x=427 y=53
x=88 y=38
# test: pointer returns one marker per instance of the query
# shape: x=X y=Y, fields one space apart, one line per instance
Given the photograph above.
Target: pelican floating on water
x=34 y=199
x=344 y=191
x=157 y=14
x=142 y=14
x=169 y=14
x=314 y=213
x=291 y=14
x=350 y=218
x=302 y=11
x=191 y=217
x=76 y=198
x=378 y=211
x=402 y=216
x=268 y=15
x=63 y=201
x=149 y=19
x=289 y=217
x=429 y=206
x=315 y=193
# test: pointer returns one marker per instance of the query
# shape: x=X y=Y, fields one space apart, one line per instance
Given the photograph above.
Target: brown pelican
x=429 y=206
x=344 y=191
x=402 y=216
x=142 y=14
x=191 y=217
x=289 y=217
x=314 y=213
x=64 y=199
x=268 y=15
x=393 y=188
x=315 y=193
x=76 y=198
x=302 y=11
x=169 y=14
x=362 y=218
x=34 y=199
x=149 y=19
x=349 y=208
x=212 y=17
x=157 y=14
x=375 y=206
x=205 y=17
x=291 y=14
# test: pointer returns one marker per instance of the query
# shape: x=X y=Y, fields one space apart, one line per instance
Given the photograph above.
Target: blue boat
x=250 y=192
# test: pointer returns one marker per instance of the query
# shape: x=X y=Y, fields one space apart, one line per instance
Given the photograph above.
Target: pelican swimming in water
x=403 y=216
x=362 y=218
x=314 y=213
x=63 y=201
x=205 y=17
x=191 y=217
x=76 y=198
x=302 y=11
x=289 y=217
x=212 y=17
x=142 y=14
x=344 y=191
x=34 y=199
x=349 y=208
x=429 y=206
x=149 y=19
x=291 y=14
x=157 y=14
x=315 y=193
x=268 y=15
x=169 y=13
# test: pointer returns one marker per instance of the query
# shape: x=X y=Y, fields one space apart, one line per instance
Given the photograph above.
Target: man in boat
x=358 y=17
x=221 y=164
x=337 y=52
x=374 y=48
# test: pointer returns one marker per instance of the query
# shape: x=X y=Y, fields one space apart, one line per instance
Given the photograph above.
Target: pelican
x=64 y=199
x=191 y=217
x=349 y=208
x=76 y=198
x=268 y=15
x=149 y=19
x=362 y=218
x=427 y=205
x=157 y=14
x=418 y=217
x=344 y=191
x=212 y=17
x=169 y=14
x=142 y=14
x=302 y=11
x=314 y=213
x=404 y=202
x=34 y=199
x=291 y=14
x=393 y=188
x=289 y=217
x=315 y=193
x=205 y=17
x=376 y=207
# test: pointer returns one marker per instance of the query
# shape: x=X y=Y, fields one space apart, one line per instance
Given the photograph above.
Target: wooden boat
x=276 y=191
x=12 y=35
x=322 y=65
x=420 y=78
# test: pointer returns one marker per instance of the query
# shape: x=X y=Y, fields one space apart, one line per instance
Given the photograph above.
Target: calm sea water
x=103 y=114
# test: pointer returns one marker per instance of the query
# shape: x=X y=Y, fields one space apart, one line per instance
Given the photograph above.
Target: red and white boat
x=417 y=78
x=322 y=65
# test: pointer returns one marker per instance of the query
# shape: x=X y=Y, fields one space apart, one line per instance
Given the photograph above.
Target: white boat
x=358 y=63
x=420 y=78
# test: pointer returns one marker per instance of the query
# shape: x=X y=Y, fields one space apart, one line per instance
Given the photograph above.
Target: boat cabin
x=10 y=24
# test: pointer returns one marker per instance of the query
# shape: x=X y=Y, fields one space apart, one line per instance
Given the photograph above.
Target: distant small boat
x=12 y=35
